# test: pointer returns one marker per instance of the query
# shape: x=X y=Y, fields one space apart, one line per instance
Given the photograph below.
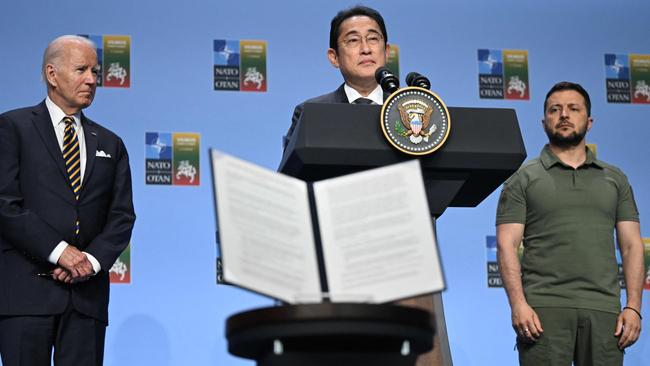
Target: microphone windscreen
x=410 y=77
x=381 y=73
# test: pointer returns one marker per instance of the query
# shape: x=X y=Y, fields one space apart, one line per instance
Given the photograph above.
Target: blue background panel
x=173 y=313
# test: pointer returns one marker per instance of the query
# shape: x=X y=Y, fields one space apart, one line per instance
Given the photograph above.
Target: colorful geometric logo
x=240 y=65
x=172 y=158
x=120 y=272
x=627 y=78
x=503 y=74
x=114 y=59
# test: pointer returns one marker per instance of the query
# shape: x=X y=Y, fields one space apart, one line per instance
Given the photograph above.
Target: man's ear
x=333 y=57
x=50 y=75
x=590 y=122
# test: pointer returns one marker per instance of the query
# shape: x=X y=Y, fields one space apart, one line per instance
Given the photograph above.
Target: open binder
x=363 y=237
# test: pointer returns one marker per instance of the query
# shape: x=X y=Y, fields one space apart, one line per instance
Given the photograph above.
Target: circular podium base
x=331 y=334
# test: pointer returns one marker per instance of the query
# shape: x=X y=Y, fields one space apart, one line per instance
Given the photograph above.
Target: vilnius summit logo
x=240 y=65
x=503 y=74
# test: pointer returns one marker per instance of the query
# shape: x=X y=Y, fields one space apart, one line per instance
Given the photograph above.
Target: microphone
x=388 y=81
x=415 y=79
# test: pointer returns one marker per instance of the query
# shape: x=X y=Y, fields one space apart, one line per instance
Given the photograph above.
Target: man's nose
x=90 y=77
x=564 y=112
x=365 y=46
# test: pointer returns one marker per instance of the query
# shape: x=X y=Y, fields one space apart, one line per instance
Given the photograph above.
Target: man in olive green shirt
x=565 y=205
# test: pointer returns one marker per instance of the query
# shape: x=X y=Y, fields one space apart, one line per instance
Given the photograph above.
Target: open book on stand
x=363 y=237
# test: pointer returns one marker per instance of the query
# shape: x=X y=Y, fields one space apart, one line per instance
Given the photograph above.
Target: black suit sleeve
x=297 y=112
x=107 y=246
x=19 y=227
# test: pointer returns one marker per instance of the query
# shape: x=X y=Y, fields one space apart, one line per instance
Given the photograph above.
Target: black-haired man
x=358 y=47
x=565 y=205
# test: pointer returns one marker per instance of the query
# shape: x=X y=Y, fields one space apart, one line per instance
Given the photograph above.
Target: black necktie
x=363 y=101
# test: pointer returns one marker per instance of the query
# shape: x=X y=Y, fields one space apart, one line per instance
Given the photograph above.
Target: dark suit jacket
x=38 y=210
x=337 y=96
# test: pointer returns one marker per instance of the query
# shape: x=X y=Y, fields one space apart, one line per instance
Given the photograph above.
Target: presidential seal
x=415 y=121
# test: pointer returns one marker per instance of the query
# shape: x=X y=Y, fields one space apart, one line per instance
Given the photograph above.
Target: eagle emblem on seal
x=415 y=116
x=415 y=121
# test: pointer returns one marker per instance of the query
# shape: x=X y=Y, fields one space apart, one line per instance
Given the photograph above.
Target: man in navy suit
x=358 y=47
x=58 y=241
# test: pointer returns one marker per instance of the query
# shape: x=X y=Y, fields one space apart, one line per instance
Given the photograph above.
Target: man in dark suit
x=66 y=214
x=358 y=47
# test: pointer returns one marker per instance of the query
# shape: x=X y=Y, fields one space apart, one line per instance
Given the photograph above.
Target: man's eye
x=353 y=41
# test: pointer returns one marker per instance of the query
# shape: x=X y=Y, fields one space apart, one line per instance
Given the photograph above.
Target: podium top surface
x=334 y=325
x=327 y=312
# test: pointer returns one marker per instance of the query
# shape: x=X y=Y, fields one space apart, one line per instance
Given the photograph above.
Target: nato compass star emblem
x=415 y=121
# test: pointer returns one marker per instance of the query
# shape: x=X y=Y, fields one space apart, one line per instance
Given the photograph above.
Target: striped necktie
x=71 y=155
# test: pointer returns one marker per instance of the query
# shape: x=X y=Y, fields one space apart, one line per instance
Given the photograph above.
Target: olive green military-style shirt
x=569 y=216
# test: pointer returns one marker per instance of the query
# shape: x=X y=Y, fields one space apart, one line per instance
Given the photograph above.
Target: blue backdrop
x=173 y=313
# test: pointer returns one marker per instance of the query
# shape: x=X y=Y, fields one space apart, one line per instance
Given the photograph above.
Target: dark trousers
x=77 y=340
x=580 y=337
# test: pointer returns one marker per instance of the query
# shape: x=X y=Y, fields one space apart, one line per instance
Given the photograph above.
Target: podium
x=483 y=149
x=330 y=334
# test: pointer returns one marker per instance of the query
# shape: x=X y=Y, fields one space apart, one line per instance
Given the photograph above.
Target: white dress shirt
x=377 y=95
x=57 y=115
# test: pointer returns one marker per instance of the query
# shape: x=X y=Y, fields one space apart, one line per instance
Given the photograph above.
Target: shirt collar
x=549 y=159
x=377 y=95
x=57 y=114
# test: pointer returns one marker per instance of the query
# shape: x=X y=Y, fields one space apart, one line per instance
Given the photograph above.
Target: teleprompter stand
x=483 y=149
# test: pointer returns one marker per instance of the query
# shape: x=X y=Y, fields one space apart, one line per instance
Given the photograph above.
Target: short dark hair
x=359 y=10
x=567 y=85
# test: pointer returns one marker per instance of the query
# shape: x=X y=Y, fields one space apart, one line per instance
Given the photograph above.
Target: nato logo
x=226 y=53
x=490 y=74
x=617 y=67
x=226 y=64
x=617 y=78
x=490 y=62
x=158 y=145
x=158 y=155
x=493 y=274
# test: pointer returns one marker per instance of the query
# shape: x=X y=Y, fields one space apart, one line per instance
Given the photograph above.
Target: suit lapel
x=43 y=124
x=340 y=95
x=90 y=135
